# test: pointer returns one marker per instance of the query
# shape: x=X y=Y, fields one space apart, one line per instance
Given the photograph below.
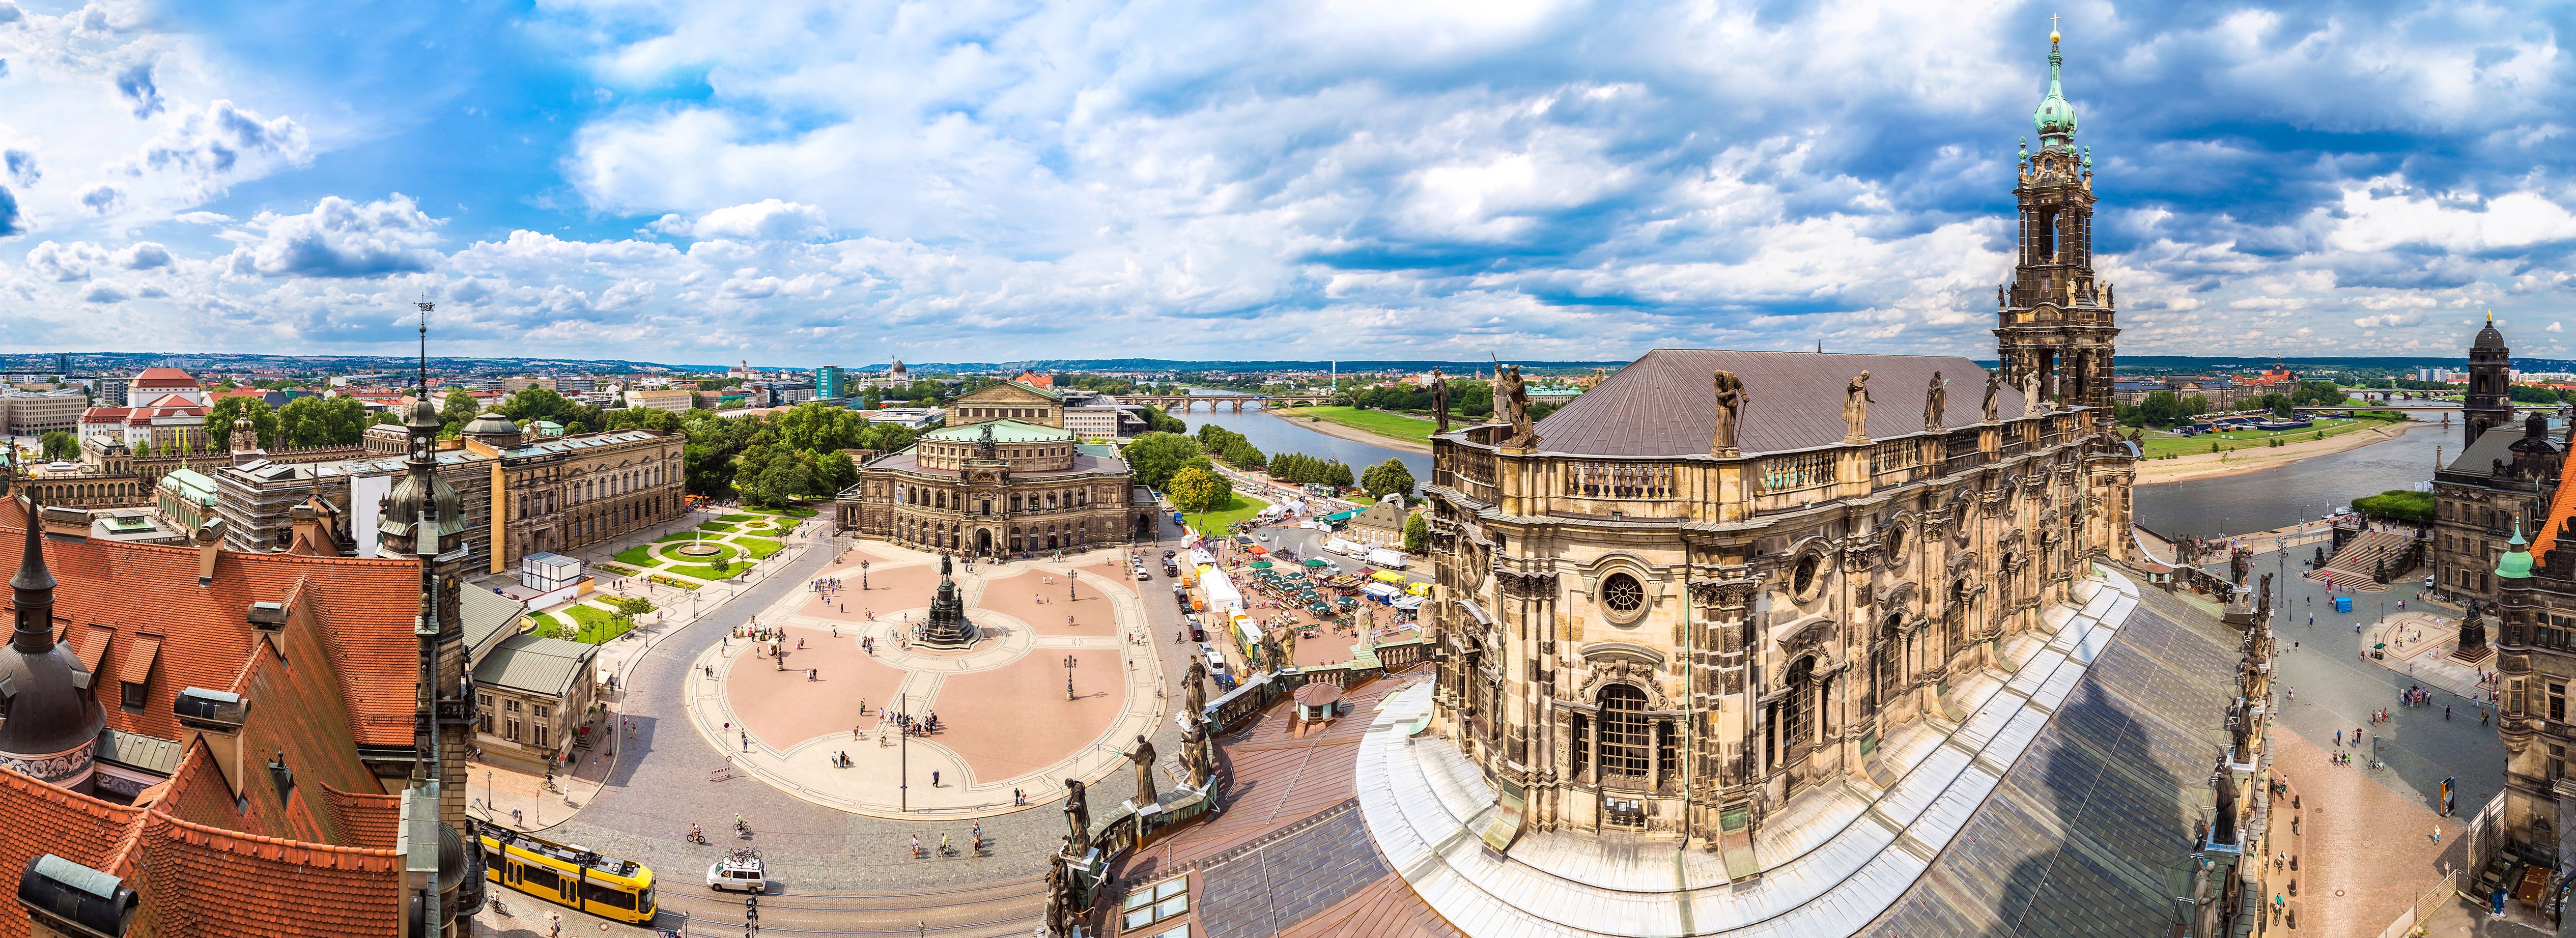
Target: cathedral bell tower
x=2489 y=402
x=2053 y=321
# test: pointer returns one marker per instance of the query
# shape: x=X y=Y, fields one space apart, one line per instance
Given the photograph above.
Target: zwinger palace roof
x=1663 y=405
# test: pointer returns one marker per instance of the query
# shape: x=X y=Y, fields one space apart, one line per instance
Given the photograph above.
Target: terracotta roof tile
x=267 y=886
x=37 y=819
x=137 y=666
x=365 y=606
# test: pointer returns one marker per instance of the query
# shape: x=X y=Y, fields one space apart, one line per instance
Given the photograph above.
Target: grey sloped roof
x=2497 y=443
x=1663 y=404
x=545 y=666
x=2085 y=834
x=485 y=614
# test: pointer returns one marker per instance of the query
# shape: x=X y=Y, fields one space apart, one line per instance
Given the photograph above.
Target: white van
x=737 y=874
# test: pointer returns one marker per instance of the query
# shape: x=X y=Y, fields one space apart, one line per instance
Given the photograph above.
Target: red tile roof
x=163 y=378
x=365 y=607
x=37 y=819
x=197 y=880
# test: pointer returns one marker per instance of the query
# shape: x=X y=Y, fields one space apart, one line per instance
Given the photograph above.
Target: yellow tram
x=568 y=875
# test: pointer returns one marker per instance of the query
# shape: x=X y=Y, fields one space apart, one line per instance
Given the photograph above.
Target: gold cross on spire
x=2052 y=29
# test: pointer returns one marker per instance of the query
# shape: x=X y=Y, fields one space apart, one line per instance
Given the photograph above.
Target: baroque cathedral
x=1806 y=630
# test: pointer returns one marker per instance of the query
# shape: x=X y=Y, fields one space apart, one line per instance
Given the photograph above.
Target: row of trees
x=303 y=422
x=2166 y=408
x=1470 y=399
x=1301 y=469
x=769 y=458
x=1230 y=446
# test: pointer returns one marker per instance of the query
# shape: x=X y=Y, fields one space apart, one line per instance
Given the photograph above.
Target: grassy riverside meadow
x=1382 y=423
x=2158 y=446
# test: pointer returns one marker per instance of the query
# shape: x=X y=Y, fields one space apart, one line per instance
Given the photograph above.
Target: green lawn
x=1215 y=523
x=598 y=625
x=760 y=548
x=635 y=557
x=2159 y=447
x=682 y=536
x=729 y=552
x=1392 y=426
x=549 y=626
x=735 y=518
x=708 y=573
x=672 y=581
x=619 y=569
x=716 y=526
x=790 y=511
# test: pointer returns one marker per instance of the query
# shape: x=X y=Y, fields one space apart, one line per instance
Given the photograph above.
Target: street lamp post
x=903 y=756
x=1068 y=677
x=863 y=576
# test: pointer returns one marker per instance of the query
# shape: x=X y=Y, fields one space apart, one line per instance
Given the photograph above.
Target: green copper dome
x=2517 y=558
x=2055 y=119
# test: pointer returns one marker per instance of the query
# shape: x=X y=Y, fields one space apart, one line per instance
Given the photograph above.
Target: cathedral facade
x=1721 y=580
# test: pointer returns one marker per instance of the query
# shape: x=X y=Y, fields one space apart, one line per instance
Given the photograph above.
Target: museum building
x=1005 y=476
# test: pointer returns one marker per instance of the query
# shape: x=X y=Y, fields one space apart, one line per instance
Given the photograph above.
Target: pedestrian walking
x=934 y=778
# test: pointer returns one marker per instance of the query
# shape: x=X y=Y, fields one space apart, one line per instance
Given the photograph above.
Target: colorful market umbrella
x=1261 y=565
x=1314 y=561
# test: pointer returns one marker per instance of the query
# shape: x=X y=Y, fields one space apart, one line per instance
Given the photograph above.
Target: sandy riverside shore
x=2253 y=459
x=1353 y=434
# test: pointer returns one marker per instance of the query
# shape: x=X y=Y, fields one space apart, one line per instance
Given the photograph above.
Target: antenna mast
x=425 y=306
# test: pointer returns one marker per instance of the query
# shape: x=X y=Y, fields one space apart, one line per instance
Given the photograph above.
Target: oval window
x=1623 y=594
x=1895 y=541
x=1802 y=580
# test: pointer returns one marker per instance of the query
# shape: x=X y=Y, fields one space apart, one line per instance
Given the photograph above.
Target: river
x=1273 y=435
x=2214 y=507
x=2301 y=491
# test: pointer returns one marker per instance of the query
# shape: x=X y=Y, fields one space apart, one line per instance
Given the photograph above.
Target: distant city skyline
x=832 y=183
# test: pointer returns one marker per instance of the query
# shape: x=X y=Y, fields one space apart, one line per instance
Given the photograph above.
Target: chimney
x=64 y=899
x=267 y=617
x=309 y=529
x=210 y=540
x=216 y=717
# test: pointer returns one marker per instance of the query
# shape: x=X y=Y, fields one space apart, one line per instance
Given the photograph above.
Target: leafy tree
x=2397 y=504
x=1198 y=490
x=643 y=418
x=220 y=417
x=835 y=473
x=321 y=421
x=542 y=404
x=1156 y=456
x=1243 y=455
x=1417 y=535
x=1389 y=477
x=143 y=448
x=820 y=427
x=1157 y=421
x=57 y=444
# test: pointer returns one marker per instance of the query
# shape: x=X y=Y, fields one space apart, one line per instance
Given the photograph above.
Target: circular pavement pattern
x=1007 y=720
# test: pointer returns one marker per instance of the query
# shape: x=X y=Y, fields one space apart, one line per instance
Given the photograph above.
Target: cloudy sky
x=803 y=182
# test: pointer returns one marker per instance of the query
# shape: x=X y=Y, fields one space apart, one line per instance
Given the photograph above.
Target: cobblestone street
x=830 y=870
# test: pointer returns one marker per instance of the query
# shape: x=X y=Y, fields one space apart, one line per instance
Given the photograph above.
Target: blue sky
x=803 y=182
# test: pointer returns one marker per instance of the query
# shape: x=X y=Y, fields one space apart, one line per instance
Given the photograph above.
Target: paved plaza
x=1007 y=723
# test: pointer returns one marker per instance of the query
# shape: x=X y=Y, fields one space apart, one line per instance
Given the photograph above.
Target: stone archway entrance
x=984 y=541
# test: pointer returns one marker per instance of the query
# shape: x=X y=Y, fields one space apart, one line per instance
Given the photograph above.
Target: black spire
x=32 y=590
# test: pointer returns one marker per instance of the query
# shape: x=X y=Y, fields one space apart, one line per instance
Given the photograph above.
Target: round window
x=1623 y=595
x=1895 y=541
x=1802 y=578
